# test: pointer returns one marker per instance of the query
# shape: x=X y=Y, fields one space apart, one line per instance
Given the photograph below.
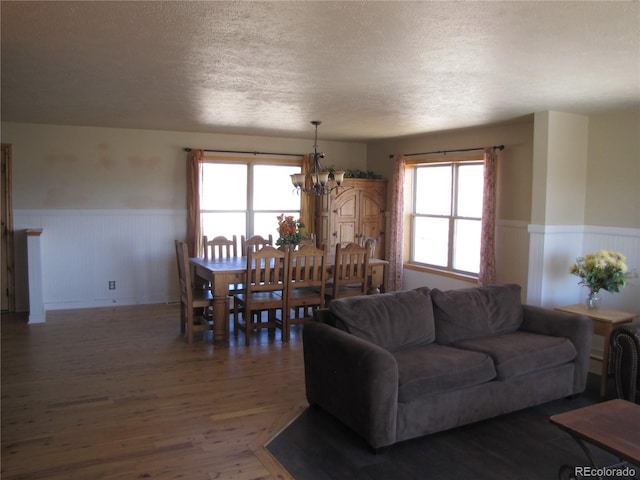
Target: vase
x=592 y=300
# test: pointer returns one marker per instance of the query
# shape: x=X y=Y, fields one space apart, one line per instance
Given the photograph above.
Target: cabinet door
x=323 y=223
x=372 y=219
x=345 y=217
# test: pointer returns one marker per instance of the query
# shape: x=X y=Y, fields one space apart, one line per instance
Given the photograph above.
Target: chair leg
x=248 y=326
x=183 y=320
x=286 y=324
x=189 y=325
x=235 y=318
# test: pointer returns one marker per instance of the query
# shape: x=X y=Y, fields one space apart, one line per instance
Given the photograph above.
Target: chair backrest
x=310 y=240
x=370 y=243
x=256 y=242
x=350 y=269
x=307 y=269
x=184 y=273
x=267 y=270
x=220 y=247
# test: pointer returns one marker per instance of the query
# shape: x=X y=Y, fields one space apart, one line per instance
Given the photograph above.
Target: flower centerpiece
x=604 y=270
x=289 y=230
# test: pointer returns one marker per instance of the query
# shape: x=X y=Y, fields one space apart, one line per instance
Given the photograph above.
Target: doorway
x=7 y=283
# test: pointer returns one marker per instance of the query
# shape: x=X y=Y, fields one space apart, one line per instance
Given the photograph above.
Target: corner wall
x=514 y=187
x=570 y=176
x=587 y=200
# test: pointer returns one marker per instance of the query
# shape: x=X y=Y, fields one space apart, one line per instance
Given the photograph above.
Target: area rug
x=523 y=445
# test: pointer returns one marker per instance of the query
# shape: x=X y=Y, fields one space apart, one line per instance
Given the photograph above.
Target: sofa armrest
x=353 y=379
x=577 y=328
x=322 y=315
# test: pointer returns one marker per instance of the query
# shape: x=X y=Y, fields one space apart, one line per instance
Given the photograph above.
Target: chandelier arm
x=322 y=182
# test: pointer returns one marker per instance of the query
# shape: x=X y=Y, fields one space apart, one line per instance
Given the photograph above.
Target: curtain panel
x=487 y=274
x=396 y=240
x=194 y=183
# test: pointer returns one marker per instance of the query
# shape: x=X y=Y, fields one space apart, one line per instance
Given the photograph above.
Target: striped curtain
x=194 y=182
x=487 y=274
x=396 y=240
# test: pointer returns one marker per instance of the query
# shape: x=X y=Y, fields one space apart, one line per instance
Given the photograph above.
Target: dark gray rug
x=522 y=445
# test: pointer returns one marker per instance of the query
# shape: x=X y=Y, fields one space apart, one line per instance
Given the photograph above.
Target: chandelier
x=317 y=181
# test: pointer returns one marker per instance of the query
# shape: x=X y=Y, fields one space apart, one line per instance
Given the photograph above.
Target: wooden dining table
x=222 y=272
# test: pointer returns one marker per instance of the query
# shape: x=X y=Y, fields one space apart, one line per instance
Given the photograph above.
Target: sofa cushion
x=519 y=353
x=476 y=312
x=434 y=369
x=393 y=321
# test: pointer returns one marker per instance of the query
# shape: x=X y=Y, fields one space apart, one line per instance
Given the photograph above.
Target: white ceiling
x=368 y=70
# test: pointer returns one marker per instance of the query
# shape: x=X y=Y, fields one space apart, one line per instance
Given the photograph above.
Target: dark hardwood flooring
x=523 y=445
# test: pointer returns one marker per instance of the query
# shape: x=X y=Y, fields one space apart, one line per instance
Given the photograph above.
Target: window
x=244 y=197
x=447 y=215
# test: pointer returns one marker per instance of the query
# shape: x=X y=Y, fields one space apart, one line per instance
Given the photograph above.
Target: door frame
x=7 y=212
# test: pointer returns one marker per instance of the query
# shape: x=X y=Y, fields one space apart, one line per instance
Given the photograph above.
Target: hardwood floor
x=117 y=393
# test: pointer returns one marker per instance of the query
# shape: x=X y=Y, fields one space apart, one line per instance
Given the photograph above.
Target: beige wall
x=594 y=177
x=515 y=167
x=559 y=168
x=613 y=173
x=66 y=167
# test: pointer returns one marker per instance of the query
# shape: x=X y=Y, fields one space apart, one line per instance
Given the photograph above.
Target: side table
x=604 y=322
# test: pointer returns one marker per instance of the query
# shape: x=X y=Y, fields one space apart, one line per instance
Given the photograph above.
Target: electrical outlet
x=112 y=284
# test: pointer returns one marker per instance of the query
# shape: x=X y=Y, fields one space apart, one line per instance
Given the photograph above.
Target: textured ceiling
x=368 y=70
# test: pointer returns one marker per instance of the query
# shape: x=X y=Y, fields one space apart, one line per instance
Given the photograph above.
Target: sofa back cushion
x=393 y=321
x=476 y=312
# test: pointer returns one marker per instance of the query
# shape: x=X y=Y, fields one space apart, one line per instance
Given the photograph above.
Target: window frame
x=452 y=217
x=251 y=163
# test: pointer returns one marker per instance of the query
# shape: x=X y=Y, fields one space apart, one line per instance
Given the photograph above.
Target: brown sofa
x=405 y=364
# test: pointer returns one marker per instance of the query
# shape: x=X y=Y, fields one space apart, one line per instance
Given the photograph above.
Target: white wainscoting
x=553 y=248
x=82 y=250
x=627 y=242
x=538 y=257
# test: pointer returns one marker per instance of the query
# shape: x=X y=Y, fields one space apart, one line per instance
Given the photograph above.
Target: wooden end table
x=604 y=322
x=611 y=426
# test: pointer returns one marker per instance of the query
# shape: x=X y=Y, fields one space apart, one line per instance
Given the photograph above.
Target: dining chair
x=350 y=272
x=191 y=299
x=265 y=289
x=223 y=247
x=348 y=244
x=310 y=240
x=307 y=273
x=256 y=242
x=371 y=243
x=220 y=247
